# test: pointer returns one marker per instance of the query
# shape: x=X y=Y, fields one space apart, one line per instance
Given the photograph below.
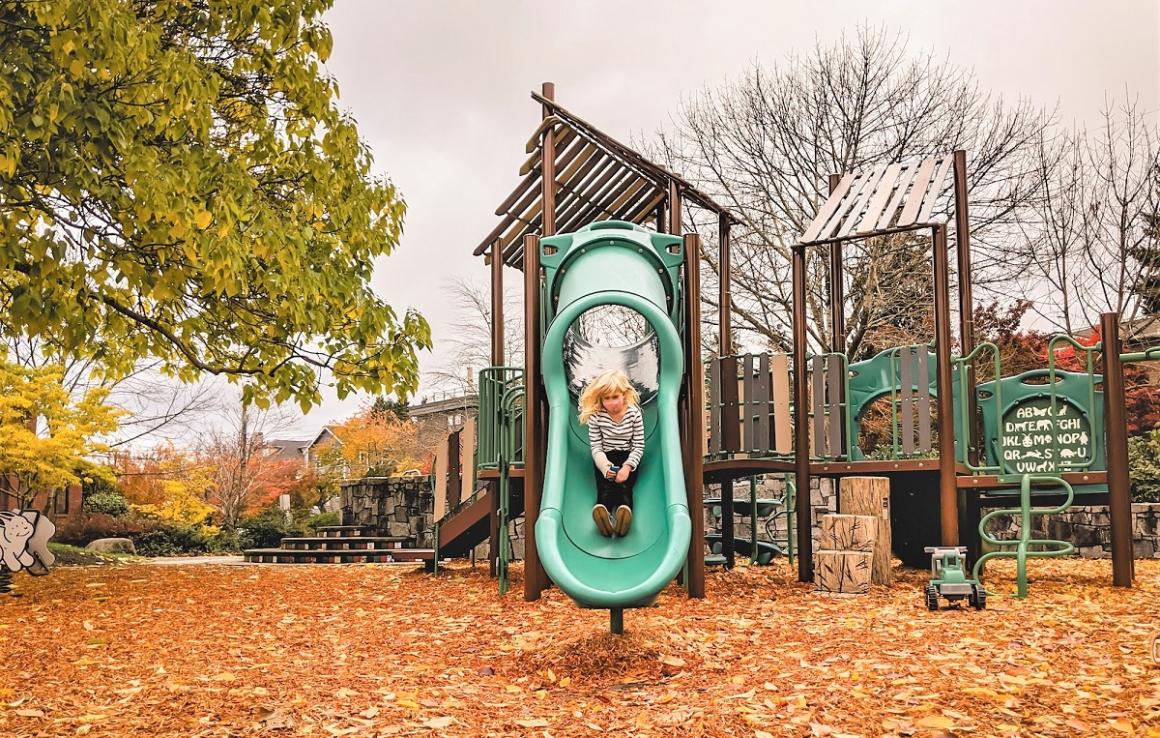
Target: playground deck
x=368 y=651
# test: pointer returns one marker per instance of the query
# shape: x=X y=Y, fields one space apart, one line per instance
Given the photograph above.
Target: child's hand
x=610 y=474
x=622 y=475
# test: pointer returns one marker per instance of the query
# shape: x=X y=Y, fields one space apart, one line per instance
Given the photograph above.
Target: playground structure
x=956 y=445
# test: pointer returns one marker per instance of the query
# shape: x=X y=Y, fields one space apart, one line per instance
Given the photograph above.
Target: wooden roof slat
x=844 y=207
x=596 y=176
x=654 y=171
x=523 y=186
x=532 y=163
x=828 y=208
x=881 y=195
x=891 y=209
x=624 y=204
x=917 y=193
x=867 y=192
x=595 y=181
x=614 y=181
x=936 y=185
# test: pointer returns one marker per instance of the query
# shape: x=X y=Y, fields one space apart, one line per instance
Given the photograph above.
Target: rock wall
x=392 y=506
x=823 y=500
x=1089 y=529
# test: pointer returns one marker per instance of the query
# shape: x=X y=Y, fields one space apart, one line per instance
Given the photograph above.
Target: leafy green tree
x=1144 y=466
x=176 y=181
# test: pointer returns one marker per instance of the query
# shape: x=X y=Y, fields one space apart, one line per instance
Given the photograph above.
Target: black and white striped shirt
x=605 y=434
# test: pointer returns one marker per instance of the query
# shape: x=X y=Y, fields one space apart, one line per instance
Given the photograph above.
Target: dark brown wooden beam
x=966 y=302
x=948 y=488
x=695 y=419
x=725 y=288
x=801 y=430
x=533 y=427
x=1116 y=450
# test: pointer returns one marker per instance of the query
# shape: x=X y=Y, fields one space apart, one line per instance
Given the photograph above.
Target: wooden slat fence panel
x=906 y=419
x=761 y=413
x=782 y=428
x=715 y=406
x=834 y=403
x=923 y=415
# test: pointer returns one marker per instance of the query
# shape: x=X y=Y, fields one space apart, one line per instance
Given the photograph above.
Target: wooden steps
x=340 y=544
x=354 y=556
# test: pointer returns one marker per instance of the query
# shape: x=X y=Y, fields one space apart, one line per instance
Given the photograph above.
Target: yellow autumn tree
x=35 y=456
x=371 y=443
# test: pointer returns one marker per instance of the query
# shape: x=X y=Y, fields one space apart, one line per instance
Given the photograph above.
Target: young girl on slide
x=610 y=407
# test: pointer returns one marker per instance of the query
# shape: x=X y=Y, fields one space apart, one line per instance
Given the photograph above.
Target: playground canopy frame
x=576 y=174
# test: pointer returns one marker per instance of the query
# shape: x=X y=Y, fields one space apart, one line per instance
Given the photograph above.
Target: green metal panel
x=1029 y=429
x=613 y=264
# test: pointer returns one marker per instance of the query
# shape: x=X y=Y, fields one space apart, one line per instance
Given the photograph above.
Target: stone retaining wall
x=1089 y=529
x=393 y=506
x=823 y=501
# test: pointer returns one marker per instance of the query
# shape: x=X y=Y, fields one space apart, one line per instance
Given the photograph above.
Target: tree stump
x=849 y=532
x=871 y=496
x=844 y=572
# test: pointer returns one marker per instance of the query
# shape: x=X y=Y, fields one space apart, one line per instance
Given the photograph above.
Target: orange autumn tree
x=167 y=482
x=374 y=443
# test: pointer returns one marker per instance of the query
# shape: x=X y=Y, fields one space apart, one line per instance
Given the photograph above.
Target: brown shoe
x=623 y=520
x=603 y=520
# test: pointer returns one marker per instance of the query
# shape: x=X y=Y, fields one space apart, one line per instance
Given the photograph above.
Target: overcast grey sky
x=440 y=89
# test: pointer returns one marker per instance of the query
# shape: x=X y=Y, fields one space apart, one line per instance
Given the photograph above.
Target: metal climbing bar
x=510 y=450
x=1022 y=544
x=493 y=383
x=1051 y=374
x=963 y=415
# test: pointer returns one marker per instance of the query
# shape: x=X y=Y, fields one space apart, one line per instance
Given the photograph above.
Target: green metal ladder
x=1018 y=548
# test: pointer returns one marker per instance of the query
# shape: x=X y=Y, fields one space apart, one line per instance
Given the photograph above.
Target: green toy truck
x=949 y=578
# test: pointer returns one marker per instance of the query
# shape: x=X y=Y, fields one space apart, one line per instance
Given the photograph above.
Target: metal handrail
x=1090 y=351
x=964 y=364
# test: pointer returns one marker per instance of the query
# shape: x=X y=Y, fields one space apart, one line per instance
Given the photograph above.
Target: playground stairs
x=766 y=509
x=468 y=525
x=341 y=544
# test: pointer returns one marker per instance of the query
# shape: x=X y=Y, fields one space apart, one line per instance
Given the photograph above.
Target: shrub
x=266 y=529
x=106 y=503
x=1144 y=466
x=170 y=539
x=323 y=519
x=81 y=530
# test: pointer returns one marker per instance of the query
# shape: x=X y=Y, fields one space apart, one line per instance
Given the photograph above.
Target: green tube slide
x=613 y=264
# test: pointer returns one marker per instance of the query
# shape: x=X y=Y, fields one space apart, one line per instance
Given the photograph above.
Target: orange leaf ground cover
x=143 y=650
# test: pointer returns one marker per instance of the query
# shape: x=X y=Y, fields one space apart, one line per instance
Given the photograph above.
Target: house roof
x=286 y=449
x=327 y=430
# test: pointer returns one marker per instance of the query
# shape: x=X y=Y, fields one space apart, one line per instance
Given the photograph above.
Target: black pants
x=611 y=493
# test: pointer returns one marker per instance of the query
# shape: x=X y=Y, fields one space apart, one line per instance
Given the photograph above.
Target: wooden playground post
x=497 y=359
x=725 y=288
x=1116 y=448
x=947 y=486
x=533 y=426
x=801 y=430
x=694 y=418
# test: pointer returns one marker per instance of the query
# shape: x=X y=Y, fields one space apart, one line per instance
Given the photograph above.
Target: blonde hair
x=613 y=382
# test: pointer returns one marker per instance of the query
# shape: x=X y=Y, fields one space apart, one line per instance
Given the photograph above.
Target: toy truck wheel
x=931 y=597
x=978 y=598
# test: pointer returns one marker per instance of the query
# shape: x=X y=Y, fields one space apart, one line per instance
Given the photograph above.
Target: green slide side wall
x=612 y=264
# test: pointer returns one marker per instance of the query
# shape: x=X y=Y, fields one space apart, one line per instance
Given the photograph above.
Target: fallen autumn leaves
x=383 y=651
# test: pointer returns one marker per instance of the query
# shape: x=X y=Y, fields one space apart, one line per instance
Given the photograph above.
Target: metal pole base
x=616 y=621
